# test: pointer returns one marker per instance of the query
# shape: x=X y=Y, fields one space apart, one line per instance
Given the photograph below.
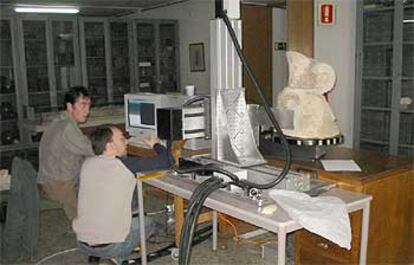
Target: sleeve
x=77 y=142
x=142 y=164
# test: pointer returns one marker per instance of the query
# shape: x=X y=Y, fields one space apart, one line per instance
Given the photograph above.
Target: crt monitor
x=141 y=113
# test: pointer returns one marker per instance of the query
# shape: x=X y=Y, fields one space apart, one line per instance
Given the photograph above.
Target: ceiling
x=120 y=7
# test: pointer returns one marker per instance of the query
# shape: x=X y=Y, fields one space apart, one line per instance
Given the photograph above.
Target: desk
x=37 y=126
x=278 y=222
x=390 y=181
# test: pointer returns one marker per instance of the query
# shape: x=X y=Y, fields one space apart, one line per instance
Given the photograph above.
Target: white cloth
x=325 y=216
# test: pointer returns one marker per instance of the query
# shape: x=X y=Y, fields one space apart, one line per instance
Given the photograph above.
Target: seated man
x=62 y=150
x=104 y=225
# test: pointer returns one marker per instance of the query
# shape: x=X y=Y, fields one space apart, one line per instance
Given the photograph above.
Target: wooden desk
x=389 y=179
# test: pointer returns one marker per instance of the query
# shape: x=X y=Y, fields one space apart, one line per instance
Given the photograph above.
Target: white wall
x=194 y=19
x=335 y=45
x=279 y=61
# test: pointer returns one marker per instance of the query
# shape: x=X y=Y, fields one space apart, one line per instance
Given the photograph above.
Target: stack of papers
x=340 y=165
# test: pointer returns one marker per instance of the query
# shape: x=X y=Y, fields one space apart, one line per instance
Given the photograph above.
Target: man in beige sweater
x=104 y=225
x=63 y=148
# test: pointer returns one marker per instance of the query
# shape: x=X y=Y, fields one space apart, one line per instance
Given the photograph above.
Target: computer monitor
x=141 y=113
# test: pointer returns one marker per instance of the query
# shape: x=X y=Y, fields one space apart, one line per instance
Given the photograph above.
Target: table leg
x=143 y=247
x=215 y=226
x=281 y=247
x=179 y=217
x=364 y=234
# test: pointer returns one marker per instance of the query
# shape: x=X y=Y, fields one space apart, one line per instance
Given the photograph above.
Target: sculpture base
x=301 y=149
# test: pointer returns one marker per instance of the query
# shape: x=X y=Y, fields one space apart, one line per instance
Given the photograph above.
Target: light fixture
x=46 y=9
x=408 y=21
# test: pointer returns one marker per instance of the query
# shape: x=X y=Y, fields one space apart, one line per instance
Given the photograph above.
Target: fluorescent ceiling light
x=408 y=21
x=44 y=9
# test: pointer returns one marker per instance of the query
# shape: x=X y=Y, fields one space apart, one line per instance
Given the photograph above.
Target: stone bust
x=308 y=81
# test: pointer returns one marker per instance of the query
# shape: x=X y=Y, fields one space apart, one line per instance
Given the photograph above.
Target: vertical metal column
x=397 y=58
x=233 y=139
x=143 y=245
x=226 y=73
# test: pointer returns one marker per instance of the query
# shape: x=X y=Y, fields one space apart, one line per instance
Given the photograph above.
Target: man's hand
x=151 y=140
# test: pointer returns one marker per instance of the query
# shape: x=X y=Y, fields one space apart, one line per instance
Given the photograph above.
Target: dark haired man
x=104 y=225
x=63 y=147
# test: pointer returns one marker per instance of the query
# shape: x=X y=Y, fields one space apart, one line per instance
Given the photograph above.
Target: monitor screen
x=141 y=113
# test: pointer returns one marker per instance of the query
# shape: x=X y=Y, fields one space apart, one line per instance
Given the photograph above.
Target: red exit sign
x=326 y=14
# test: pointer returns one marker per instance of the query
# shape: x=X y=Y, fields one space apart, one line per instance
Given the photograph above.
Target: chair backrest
x=21 y=231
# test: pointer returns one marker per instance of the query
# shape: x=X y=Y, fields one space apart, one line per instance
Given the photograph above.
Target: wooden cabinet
x=390 y=180
x=313 y=249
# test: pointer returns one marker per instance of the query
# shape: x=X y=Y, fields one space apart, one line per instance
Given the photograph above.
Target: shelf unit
x=384 y=116
x=145 y=58
x=168 y=57
x=121 y=48
x=49 y=63
x=156 y=61
x=44 y=52
x=9 y=98
x=42 y=56
x=121 y=56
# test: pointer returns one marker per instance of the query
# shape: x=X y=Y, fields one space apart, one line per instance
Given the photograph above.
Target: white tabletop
x=246 y=209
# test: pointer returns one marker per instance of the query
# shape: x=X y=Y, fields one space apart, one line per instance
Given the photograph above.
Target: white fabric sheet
x=325 y=216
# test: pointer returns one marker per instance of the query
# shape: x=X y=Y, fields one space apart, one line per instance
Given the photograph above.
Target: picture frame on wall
x=197 y=61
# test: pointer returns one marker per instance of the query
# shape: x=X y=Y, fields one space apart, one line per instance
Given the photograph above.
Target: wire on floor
x=238 y=239
x=56 y=254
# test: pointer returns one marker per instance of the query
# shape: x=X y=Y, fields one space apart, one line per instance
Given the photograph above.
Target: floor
x=57 y=246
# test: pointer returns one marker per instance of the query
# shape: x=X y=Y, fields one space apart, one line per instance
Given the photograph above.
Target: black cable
x=233 y=177
x=195 y=199
x=194 y=100
x=196 y=214
x=269 y=112
x=193 y=211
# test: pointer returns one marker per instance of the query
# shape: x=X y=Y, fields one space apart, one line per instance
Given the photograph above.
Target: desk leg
x=179 y=218
x=142 y=223
x=364 y=234
x=281 y=246
x=215 y=230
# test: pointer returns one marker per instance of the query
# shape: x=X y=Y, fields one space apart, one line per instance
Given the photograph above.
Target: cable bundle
x=200 y=194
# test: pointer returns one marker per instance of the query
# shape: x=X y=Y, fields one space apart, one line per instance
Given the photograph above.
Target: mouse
x=270 y=209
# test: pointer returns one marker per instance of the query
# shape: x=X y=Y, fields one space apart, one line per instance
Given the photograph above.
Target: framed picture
x=197 y=63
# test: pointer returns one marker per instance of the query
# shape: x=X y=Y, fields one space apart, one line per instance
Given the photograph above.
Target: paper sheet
x=340 y=165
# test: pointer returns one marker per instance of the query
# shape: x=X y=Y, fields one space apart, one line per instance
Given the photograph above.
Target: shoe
x=93 y=259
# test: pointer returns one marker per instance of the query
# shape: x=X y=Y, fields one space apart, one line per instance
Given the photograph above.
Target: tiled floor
x=57 y=238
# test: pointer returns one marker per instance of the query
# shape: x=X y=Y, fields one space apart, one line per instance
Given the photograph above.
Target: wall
x=279 y=62
x=194 y=19
x=335 y=45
